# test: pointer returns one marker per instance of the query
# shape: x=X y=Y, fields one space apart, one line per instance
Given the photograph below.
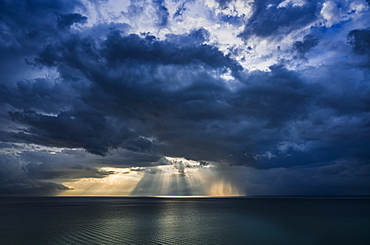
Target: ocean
x=117 y=220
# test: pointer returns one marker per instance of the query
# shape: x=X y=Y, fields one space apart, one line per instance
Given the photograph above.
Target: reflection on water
x=183 y=221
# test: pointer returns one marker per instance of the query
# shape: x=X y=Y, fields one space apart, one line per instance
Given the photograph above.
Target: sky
x=184 y=97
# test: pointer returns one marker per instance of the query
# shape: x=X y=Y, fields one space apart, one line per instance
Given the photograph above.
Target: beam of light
x=188 y=178
x=181 y=177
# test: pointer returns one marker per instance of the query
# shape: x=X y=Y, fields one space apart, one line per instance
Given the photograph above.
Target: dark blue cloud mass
x=269 y=19
x=71 y=80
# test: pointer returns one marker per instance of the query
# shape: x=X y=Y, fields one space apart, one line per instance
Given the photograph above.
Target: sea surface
x=110 y=220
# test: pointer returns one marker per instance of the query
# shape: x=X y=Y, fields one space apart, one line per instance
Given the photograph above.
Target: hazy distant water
x=64 y=220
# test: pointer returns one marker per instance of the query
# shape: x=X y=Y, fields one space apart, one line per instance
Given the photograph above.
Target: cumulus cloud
x=334 y=12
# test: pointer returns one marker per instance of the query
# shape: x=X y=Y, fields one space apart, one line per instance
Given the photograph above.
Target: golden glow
x=217 y=184
x=181 y=196
x=120 y=183
x=181 y=178
x=188 y=178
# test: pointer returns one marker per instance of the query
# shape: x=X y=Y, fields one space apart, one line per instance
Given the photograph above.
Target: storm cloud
x=100 y=89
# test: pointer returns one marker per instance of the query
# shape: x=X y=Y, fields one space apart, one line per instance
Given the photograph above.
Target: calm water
x=58 y=220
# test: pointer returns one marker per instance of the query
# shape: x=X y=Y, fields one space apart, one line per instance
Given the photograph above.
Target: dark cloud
x=174 y=100
x=118 y=96
x=137 y=98
x=14 y=180
x=65 y=21
x=49 y=172
x=42 y=93
x=90 y=131
x=119 y=48
x=304 y=46
x=269 y=20
x=342 y=177
x=30 y=21
x=34 y=188
x=275 y=97
x=360 y=40
x=26 y=26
